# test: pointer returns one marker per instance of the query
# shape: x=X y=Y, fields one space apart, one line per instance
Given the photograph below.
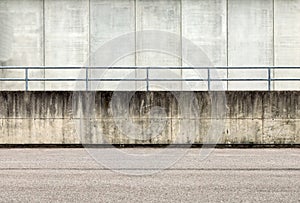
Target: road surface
x=225 y=175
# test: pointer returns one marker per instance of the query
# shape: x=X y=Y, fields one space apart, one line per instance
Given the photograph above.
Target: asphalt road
x=225 y=175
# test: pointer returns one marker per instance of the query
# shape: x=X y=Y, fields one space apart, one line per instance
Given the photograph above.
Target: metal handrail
x=147 y=79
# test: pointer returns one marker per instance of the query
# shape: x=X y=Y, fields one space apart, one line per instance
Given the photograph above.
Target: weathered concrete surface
x=250 y=33
x=250 y=40
x=26 y=20
x=109 y=20
x=286 y=33
x=66 y=39
x=287 y=41
x=66 y=32
x=161 y=15
x=5 y=35
x=53 y=117
x=204 y=23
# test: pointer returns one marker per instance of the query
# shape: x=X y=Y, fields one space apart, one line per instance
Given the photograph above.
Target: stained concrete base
x=150 y=118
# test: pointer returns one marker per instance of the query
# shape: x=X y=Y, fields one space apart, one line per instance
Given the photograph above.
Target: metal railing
x=147 y=79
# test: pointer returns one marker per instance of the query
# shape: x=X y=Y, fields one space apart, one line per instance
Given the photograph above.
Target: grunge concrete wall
x=230 y=32
x=48 y=118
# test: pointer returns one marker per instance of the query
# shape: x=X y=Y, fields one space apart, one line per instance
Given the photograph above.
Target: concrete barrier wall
x=54 y=118
x=231 y=32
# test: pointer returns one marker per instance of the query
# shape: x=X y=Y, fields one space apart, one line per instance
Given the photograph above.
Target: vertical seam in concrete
x=181 y=62
x=135 y=43
x=273 y=41
x=181 y=25
x=44 y=43
x=89 y=43
x=227 y=53
x=89 y=33
x=135 y=29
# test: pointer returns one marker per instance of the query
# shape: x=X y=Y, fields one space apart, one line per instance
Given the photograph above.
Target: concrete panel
x=204 y=23
x=66 y=38
x=163 y=15
x=38 y=131
x=248 y=73
x=65 y=86
x=26 y=18
x=12 y=86
x=286 y=74
x=118 y=131
x=287 y=85
x=5 y=35
x=247 y=85
x=114 y=86
x=26 y=21
x=244 y=131
x=281 y=105
x=287 y=42
x=279 y=131
x=109 y=20
x=287 y=32
x=250 y=39
x=199 y=74
x=66 y=32
x=250 y=33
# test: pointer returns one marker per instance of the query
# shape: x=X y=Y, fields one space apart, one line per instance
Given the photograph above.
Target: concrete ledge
x=250 y=145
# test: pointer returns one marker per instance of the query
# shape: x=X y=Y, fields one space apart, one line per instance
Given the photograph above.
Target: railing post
x=269 y=78
x=208 y=79
x=147 y=78
x=26 y=78
x=87 y=78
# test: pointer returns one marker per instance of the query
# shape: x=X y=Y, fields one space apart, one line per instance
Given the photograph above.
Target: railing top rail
x=148 y=67
x=209 y=77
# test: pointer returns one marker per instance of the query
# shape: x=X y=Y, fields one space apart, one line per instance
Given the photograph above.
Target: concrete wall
x=230 y=32
x=48 y=117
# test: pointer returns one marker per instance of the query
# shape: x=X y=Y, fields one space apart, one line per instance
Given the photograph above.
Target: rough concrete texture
x=66 y=32
x=226 y=175
x=5 y=36
x=286 y=33
x=26 y=21
x=53 y=117
x=199 y=20
x=233 y=33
